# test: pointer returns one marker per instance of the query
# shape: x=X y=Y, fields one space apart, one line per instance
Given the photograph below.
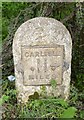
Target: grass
x=50 y=107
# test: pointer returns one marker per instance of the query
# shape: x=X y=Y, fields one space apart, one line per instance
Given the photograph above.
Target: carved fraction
x=32 y=69
x=53 y=67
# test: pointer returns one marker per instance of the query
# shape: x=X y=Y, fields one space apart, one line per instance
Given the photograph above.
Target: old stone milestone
x=42 y=52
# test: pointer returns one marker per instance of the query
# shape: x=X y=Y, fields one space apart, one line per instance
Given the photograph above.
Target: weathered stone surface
x=43 y=63
x=42 y=51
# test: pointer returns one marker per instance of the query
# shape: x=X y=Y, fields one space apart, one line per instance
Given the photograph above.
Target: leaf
x=82 y=114
x=53 y=83
x=63 y=103
x=3 y=99
x=69 y=113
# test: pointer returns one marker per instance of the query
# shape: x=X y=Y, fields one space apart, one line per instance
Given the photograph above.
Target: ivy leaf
x=3 y=99
x=69 y=113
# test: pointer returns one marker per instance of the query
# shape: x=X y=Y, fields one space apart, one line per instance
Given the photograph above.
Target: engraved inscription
x=38 y=63
x=41 y=64
x=45 y=65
